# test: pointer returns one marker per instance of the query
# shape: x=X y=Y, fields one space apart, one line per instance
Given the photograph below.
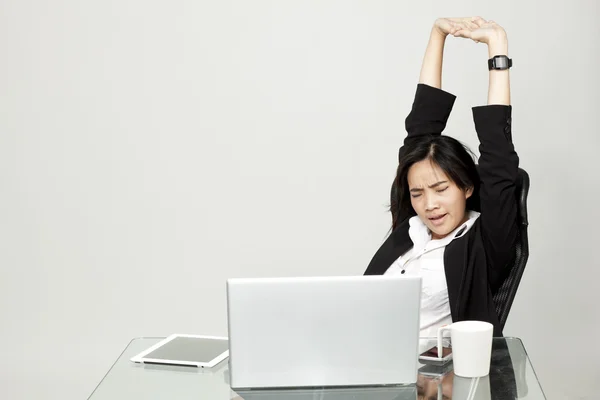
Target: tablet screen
x=189 y=349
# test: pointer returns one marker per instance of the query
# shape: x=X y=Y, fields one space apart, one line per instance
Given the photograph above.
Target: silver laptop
x=405 y=392
x=323 y=331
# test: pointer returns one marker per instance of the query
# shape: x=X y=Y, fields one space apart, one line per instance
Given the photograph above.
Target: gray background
x=150 y=150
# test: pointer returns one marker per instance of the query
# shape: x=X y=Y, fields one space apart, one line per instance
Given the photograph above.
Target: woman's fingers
x=478 y=21
x=467 y=25
x=462 y=32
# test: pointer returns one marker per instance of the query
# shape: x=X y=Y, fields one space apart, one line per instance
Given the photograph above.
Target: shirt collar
x=420 y=234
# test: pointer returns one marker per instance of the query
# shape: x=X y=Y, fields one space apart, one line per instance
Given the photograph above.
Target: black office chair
x=505 y=295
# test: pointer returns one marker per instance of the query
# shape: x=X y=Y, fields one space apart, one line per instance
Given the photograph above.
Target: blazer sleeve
x=498 y=170
x=429 y=114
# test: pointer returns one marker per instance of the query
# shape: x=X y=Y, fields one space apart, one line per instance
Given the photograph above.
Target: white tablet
x=186 y=350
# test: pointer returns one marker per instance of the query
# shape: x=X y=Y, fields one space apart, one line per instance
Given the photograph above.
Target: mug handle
x=440 y=345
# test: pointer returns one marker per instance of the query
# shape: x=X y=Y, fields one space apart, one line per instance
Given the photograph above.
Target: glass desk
x=511 y=377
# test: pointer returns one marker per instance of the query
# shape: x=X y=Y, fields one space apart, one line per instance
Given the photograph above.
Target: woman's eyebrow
x=437 y=184
x=430 y=186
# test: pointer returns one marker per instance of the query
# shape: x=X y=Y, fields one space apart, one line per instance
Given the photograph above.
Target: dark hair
x=455 y=159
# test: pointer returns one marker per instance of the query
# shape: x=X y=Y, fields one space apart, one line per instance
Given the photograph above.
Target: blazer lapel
x=394 y=246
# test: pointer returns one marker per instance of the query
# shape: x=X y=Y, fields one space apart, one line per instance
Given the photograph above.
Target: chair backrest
x=505 y=295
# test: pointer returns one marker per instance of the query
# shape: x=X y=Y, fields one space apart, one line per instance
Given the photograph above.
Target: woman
x=455 y=224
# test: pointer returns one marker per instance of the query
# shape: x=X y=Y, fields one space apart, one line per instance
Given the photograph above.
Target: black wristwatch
x=499 y=63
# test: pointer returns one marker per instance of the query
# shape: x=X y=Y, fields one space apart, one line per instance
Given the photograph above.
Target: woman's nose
x=430 y=203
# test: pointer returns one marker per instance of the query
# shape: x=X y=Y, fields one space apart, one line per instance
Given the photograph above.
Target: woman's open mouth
x=438 y=219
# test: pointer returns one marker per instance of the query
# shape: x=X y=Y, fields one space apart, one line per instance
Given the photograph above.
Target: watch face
x=501 y=63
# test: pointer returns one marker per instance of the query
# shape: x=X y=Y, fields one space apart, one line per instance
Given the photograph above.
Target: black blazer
x=477 y=262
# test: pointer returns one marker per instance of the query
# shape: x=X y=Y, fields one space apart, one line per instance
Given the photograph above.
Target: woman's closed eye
x=415 y=194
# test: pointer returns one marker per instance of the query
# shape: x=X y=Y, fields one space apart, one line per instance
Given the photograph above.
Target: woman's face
x=428 y=388
x=439 y=203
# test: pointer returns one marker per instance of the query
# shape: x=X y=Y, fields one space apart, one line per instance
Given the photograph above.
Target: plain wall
x=150 y=150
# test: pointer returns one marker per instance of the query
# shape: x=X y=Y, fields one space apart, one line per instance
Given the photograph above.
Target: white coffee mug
x=471 y=388
x=471 y=347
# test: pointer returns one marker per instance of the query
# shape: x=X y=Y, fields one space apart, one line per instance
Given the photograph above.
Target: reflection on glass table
x=511 y=377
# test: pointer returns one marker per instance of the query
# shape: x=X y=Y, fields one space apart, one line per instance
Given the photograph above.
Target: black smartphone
x=430 y=356
x=435 y=371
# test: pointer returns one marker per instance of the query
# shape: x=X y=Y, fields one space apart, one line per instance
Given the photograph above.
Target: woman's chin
x=438 y=232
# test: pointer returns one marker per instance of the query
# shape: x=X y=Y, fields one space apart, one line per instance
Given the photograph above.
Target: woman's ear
x=468 y=193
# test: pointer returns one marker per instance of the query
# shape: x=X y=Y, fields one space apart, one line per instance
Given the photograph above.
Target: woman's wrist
x=498 y=45
x=437 y=32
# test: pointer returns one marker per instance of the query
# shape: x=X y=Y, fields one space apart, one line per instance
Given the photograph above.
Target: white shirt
x=426 y=259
